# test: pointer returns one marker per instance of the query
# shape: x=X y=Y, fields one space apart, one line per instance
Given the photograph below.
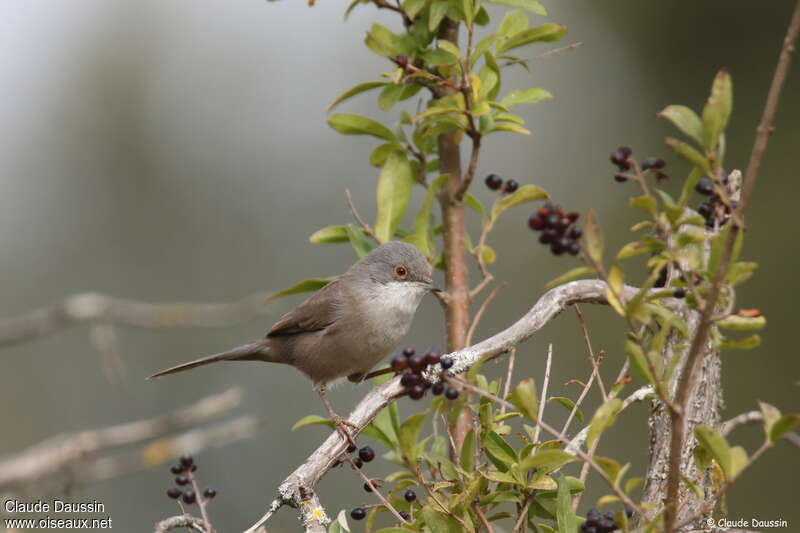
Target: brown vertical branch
x=455 y=247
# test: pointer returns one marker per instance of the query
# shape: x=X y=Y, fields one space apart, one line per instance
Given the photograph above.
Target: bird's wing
x=318 y=312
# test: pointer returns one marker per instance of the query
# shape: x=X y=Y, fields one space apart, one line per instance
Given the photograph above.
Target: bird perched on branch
x=347 y=326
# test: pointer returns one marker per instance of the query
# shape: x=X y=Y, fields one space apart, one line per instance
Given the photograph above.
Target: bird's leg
x=337 y=420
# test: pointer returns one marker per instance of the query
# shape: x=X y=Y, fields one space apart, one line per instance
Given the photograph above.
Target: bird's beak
x=430 y=285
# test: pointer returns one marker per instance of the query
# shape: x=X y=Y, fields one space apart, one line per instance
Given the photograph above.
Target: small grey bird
x=346 y=327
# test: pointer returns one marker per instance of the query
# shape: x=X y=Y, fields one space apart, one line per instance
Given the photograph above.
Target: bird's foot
x=341 y=425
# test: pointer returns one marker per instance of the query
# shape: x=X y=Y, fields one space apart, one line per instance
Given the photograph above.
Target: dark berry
x=416 y=362
x=620 y=178
x=704 y=209
x=358 y=462
x=187 y=460
x=174 y=493
x=189 y=497
x=679 y=293
x=609 y=515
x=432 y=357
x=575 y=233
x=557 y=247
x=438 y=388
x=545 y=210
x=182 y=480
x=536 y=222
x=451 y=393
x=409 y=380
x=416 y=392
x=446 y=362
x=209 y=493
x=367 y=487
x=705 y=187
x=511 y=186
x=552 y=221
x=574 y=248
x=366 y=454
x=401 y=60
x=410 y=495
x=176 y=469
x=625 y=151
x=653 y=162
x=193 y=468
x=399 y=363
x=493 y=181
x=573 y=217
x=546 y=236
x=358 y=513
x=724 y=179
x=408 y=351
x=351 y=448
x=662 y=278
x=618 y=158
x=604 y=525
x=593 y=514
x=586 y=528
x=629 y=509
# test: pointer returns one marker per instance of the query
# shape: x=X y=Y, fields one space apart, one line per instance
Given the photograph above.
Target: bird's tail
x=247 y=352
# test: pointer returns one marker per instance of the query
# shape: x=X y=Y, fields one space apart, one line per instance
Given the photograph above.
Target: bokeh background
x=169 y=151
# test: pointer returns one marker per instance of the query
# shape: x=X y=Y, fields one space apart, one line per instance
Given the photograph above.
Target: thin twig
x=201 y=501
x=361 y=222
x=686 y=380
x=592 y=358
x=545 y=383
x=554 y=51
x=522 y=520
x=389 y=507
x=479 y=314
x=482 y=517
x=507 y=386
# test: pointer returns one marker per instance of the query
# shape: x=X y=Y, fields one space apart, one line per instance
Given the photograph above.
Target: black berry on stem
x=493 y=181
x=366 y=454
x=358 y=513
x=510 y=186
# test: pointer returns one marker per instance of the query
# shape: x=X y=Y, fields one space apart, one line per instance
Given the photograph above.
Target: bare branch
x=175 y=522
x=554 y=51
x=361 y=222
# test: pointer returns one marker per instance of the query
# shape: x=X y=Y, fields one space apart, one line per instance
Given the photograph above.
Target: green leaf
x=603 y=419
x=646 y=202
x=508 y=126
x=513 y=22
x=413 y=7
x=329 y=234
x=638 y=361
x=448 y=47
x=474 y=204
x=481 y=48
x=311 y=420
x=439 y=58
x=421 y=234
x=437 y=13
x=349 y=124
x=307 y=285
x=525 y=400
x=390 y=95
x=740 y=323
x=747 y=343
x=393 y=194
x=408 y=436
x=467 y=461
x=783 y=425
x=567 y=522
x=570 y=275
x=542 y=33
x=687 y=190
x=534 y=6
x=499 y=450
x=739 y=272
x=716 y=444
x=611 y=467
x=358 y=89
x=526 y=193
x=717 y=110
x=685 y=120
x=568 y=404
x=379 y=155
x=688 y=153
x=616 y=281
x=358 y=240
x=525 y=96
x=440 y=522
x=593 y=238
x=547 y=460
x=339 y=525
x=632 y=249
x=738 y=460
x=383 y=42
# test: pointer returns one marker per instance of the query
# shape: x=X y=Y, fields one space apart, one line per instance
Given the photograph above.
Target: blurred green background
x=170 y=151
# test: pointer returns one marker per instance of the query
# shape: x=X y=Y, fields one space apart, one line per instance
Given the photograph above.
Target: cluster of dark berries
x=622 y=158
x=365 y=454
x=184 y=472
x=712 y=209
x=557 y=229
x=496 y=183
x=596 y=522
x=412 y=365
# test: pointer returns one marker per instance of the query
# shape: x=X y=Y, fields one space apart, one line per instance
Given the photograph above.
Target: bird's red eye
x=400 y=271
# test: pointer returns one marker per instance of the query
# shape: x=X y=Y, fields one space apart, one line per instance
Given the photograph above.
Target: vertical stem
x=455 y=247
